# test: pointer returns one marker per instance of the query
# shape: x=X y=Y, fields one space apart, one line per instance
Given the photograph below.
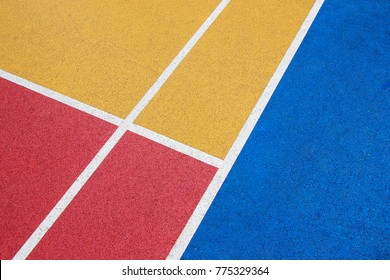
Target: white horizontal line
x=212 y=190
x=166 y=141
x=175 y=145
x=62 y=98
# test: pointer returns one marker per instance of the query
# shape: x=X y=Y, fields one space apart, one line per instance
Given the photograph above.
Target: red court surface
x=44 y=146
x=133 y=207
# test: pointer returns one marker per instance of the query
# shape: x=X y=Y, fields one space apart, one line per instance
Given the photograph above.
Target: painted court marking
x=46 y=224
x=156 y=137
x=208 y=197
x=61 y=98
x=175 y=145
x=206 y=102
x=105 y=54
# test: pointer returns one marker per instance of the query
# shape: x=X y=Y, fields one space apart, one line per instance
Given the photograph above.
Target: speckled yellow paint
x=209 y=97
x=105 y=53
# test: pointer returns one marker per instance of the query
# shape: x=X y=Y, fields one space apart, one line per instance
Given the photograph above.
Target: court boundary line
x=204 y=204
x=137 y=129
x=61 y=98
x=176 y=145
x=77 y=185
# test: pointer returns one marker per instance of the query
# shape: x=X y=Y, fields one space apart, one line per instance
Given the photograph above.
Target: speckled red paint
x=44 y=146
x=133 y=207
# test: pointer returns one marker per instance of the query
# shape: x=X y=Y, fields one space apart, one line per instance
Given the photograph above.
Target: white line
x=176 y=61
x=161 y=139
x=212 y=190
x=62 y=98
x=46 y=224
x=175 y=145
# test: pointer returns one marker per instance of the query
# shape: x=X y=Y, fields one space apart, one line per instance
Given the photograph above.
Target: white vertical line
x=46 y=224
x=61 y=98
x=212 y=190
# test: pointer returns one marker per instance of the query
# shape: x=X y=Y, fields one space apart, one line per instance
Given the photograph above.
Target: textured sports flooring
x=197 y=129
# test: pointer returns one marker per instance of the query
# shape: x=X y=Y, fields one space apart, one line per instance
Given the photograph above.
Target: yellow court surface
x=103 y=53
x=207 y=100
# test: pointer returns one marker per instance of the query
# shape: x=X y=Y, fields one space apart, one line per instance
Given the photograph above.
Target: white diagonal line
x=178 y=146
x=154 y=136
x=61 y=98
x=212 y=190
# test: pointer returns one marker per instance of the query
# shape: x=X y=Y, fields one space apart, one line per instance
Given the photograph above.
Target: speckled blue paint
x=313 y=180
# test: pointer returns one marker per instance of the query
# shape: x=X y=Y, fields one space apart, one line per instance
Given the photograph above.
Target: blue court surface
x=313 y=180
